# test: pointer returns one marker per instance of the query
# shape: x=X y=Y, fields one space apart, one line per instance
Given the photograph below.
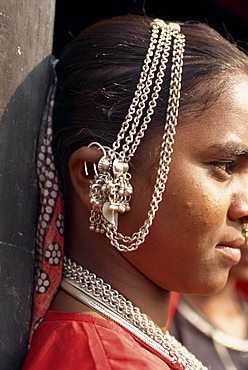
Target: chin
x=207 y=286
x=216 y=287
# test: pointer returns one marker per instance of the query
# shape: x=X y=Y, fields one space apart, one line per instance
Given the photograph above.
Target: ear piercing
x=245 y=233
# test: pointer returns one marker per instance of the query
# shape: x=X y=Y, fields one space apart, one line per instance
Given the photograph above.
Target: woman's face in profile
x=197 y=232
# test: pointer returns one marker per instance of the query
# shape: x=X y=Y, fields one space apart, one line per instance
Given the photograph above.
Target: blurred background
x=228 y=17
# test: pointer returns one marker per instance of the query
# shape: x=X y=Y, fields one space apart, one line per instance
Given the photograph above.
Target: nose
x=238 y=209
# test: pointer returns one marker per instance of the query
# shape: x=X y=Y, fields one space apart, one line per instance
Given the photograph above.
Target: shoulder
x=71 y=341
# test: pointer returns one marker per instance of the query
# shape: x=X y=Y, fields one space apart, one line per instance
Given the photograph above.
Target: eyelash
x=227 y=164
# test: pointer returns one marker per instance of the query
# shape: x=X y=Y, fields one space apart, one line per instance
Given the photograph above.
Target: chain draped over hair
x=110 y=191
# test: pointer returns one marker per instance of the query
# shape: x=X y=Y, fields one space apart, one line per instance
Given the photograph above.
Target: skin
x=224 y=309
x=204 y=206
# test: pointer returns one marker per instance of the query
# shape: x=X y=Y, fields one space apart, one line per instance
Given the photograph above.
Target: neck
x=99 y=257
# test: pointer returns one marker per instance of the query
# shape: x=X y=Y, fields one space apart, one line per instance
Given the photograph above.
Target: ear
x=79 y=179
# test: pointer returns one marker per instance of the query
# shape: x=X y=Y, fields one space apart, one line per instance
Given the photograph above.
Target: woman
x=120 y=85
x=215 y=327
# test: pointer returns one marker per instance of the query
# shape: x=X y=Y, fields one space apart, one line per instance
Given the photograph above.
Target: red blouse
x=68 y=341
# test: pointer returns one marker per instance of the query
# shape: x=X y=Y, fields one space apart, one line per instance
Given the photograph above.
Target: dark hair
x=99 y=70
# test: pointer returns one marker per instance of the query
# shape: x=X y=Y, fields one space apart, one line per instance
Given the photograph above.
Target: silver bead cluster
x=110 y=191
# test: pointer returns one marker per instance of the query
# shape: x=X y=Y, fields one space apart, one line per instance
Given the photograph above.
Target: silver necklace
x=209 y=330
x=99 y=296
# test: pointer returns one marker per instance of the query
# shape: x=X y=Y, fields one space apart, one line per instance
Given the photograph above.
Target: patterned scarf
x=49 y=245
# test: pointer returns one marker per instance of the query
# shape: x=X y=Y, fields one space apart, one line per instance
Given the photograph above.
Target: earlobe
x=81 y=171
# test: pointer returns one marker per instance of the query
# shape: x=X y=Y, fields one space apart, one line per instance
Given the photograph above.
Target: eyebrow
x=231 y=149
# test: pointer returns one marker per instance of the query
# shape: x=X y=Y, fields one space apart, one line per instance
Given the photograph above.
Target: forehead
x=237 y=97
x=228 y=115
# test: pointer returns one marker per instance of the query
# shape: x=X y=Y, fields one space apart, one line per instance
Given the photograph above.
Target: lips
x=231 y=252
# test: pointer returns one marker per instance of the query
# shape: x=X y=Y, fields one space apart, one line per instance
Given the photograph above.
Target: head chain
x=110 y=190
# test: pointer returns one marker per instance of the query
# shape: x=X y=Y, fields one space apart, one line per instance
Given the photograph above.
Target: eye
x=224 y=166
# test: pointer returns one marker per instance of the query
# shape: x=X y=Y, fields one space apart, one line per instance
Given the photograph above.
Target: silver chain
x=111 y=192
x=217 y=335
x=143 y=89
x=111 y=304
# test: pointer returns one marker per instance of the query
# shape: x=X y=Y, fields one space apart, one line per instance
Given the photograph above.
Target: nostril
x=244 y=220
x=238 y=209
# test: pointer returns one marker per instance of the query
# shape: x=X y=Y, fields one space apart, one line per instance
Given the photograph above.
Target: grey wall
x=26 y=33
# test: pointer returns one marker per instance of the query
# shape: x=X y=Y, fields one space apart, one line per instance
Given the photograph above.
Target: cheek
x=185 y=230
x=194 y=205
